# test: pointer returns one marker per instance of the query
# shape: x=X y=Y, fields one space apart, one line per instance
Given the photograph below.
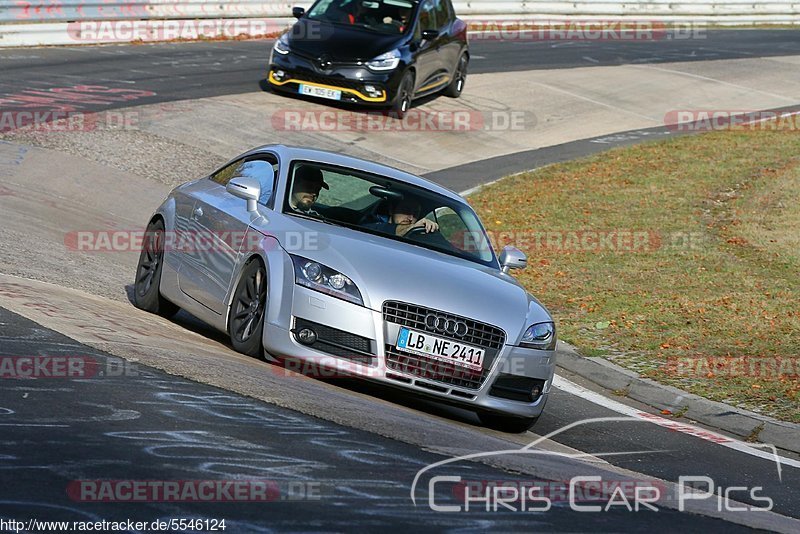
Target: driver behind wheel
x=403 y=216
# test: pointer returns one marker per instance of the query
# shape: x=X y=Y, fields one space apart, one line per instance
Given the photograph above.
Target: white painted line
x=570 y=387
x=596 y=102
x=714 y=80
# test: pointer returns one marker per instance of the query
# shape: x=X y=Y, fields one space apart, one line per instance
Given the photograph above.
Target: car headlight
x=541 y=336
x=282 y=45
x=319 y=277
x=384 y=62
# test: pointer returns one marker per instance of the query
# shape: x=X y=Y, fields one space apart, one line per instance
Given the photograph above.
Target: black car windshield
x=389 y=208
x=392 y=17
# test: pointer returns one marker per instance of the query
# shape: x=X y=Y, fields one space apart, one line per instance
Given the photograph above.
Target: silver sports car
x=314 y=257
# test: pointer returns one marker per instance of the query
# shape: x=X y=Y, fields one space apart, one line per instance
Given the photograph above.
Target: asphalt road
x=178 y=71
x=152 y=426
x=128 y=423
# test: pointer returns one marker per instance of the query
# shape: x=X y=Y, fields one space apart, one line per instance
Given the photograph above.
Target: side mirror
x=512 y=258
x=430 y=35
x=253 y=182
x=246 y=188
x=298 y=12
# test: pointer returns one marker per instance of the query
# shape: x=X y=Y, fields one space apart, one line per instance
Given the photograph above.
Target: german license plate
x=320 y=92
x=439 y=348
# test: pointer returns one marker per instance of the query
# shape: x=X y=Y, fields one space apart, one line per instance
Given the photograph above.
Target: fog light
x=535 y=392
x=372 y=90
x=279 y=74
x=306 y=336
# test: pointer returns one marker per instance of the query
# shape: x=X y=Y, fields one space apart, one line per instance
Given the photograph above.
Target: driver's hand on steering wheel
x=425 y=225
x=428 y=224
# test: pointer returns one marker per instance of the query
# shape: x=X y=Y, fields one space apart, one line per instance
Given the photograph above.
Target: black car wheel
x=246 y=321
x=146 y=294
x=506 y=423
x=405 y=95
x=459 y=78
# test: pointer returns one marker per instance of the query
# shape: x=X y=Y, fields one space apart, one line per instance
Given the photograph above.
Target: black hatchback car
x=383 y=53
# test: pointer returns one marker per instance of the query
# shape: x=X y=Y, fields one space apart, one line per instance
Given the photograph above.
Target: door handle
x=198 y=212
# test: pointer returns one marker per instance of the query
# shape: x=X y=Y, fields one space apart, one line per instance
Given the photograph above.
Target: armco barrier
x=27 y=11
x=52 y=22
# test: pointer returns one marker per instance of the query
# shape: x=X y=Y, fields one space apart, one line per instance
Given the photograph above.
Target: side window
x=450 y=225
x=256 y=167
x=427 y=17
x=451 y=12
x=224 y=175
x=442 y=14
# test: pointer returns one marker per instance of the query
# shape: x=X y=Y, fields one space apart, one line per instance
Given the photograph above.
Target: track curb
x=742 y=423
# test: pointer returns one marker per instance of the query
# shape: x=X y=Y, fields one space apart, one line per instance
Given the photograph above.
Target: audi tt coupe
x=349 y=265
x=382 y=53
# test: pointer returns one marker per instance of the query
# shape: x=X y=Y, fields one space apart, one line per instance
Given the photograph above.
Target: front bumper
x=350 y=79
x=356 y=341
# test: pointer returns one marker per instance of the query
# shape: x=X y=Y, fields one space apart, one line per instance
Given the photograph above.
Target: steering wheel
x=416 y=231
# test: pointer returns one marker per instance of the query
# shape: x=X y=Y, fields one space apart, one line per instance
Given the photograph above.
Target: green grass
x=711 y=287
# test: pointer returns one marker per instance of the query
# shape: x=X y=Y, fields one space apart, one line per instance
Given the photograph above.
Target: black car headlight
x=385 y=62
x=319 y=277
x=541 y=336
x=282 y=45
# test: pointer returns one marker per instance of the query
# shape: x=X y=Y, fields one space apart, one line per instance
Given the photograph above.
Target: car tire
x=459 y=78
x=146 y=292
x=507 y=423
x=246 y=318
x=405 y=96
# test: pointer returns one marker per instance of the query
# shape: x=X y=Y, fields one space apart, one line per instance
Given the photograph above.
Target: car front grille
x=413 y=316
x=480 y=334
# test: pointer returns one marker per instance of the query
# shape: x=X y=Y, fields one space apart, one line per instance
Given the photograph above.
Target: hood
x=340 y=42
x=384 y=269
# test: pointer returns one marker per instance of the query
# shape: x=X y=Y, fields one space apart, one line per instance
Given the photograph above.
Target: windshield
x=383 y=16
x=382 y=206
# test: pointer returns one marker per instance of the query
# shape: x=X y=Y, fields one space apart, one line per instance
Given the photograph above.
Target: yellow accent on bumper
x=359 y=94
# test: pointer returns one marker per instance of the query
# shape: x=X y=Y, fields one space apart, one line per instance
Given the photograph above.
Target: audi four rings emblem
x=445 y=325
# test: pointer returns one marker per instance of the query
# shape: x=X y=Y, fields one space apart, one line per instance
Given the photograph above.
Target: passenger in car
x=364 y=12
x=403 y=216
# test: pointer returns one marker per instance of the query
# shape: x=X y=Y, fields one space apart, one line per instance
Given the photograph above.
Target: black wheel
x=405 y=95
x=246 y=321
x=507 y=423
x=146 y=294
x=459 y=78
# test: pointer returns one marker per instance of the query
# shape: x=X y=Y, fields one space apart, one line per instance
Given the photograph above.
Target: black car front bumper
x=350 y=79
